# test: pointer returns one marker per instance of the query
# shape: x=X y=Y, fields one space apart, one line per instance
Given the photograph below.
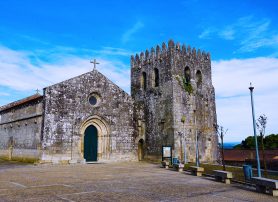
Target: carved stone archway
x=141 y=144
x=103 y=136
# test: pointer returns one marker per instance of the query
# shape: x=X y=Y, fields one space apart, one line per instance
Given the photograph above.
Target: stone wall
x=153 y=106
x=68 y=112
x=168 y=110
x=194 y=111
x=172 y=102
x=20 y=130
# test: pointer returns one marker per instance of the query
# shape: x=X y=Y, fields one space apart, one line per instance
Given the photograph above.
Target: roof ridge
x=20 y=102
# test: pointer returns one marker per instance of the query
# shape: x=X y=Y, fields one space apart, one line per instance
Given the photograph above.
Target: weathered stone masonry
x=20 y=129
x=172 y=101
x=165 y=110
x=68 y=113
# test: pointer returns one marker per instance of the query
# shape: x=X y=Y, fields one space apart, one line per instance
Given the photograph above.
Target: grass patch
x=27 y=160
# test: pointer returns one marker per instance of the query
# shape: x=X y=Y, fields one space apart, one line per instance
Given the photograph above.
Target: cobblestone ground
x=115 y=182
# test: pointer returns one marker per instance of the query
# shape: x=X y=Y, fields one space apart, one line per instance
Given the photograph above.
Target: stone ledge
x=197 y=171
x=221 y=175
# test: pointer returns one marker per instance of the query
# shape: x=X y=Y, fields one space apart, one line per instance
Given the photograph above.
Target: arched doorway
x=90 y=143
x=141 y=150
x=103 y=137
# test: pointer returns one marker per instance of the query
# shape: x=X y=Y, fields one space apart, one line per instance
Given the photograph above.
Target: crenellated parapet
x=173 y=94
x=156 y=54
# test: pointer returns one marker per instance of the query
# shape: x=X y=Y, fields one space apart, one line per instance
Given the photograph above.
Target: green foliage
x=183 y=119
x=270 y=142
x=248 y=143
x=184 y=84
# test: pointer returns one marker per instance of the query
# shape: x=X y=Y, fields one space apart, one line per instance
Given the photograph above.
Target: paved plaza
x=114 y=182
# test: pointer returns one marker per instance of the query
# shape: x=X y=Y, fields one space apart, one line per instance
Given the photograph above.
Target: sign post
x=167 y=153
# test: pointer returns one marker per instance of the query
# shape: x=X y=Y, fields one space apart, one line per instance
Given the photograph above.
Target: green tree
x=270 y=142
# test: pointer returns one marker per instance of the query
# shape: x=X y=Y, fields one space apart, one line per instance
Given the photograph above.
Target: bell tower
x=174 y=102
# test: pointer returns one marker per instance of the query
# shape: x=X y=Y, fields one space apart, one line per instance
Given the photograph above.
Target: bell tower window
x=156 y=77
x=144 y=81
x=198 y=78
x=187 y=74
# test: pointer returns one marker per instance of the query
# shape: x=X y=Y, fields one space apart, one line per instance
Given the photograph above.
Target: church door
x=90 y=143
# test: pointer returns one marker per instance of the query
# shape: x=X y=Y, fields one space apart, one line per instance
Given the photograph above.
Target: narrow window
x=187 y=74
x=144 y=80
x=156 y=77
x=199 y=78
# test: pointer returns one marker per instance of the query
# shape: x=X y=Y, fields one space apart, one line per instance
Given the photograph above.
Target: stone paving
x=115 y=182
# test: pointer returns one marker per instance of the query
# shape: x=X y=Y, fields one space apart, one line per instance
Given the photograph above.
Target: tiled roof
x=20 y=102
x=241 y=155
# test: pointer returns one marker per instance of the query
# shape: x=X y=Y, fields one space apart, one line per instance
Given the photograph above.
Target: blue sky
x=44 y=42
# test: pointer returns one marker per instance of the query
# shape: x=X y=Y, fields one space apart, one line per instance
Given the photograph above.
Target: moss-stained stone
x=172 y=99
x=68 y=112
x=182 y=105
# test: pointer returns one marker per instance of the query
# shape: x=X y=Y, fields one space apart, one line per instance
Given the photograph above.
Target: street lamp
x=251 y=88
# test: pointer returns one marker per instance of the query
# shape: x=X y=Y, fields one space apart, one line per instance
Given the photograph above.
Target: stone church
x=89 y=118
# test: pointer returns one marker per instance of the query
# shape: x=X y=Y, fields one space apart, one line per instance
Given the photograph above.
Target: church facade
x=89 y=118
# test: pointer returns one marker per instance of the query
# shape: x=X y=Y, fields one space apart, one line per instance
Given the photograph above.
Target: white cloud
x=4 y=94
x=225 y=33
x=231 y=81
x=228 y=33
x=207 y=33
x=135 y=28
x=249 y=33
x=252 y=44
x=233 y=75
x=20 y=74
x=113 y=51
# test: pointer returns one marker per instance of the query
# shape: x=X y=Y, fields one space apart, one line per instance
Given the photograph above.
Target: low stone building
x=20 y=128
x=89 y=118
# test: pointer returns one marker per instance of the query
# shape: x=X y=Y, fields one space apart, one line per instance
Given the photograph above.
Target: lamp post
x=251 y=88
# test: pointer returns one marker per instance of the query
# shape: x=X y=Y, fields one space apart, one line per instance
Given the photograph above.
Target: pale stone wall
x=153 y=106
x=200 y=103
x=167 y=112
x=68 y=113
x=20 y=131
x=155 y=115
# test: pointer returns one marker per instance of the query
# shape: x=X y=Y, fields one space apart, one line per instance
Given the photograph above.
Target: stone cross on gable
x=95 y=63
x=37 y=91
